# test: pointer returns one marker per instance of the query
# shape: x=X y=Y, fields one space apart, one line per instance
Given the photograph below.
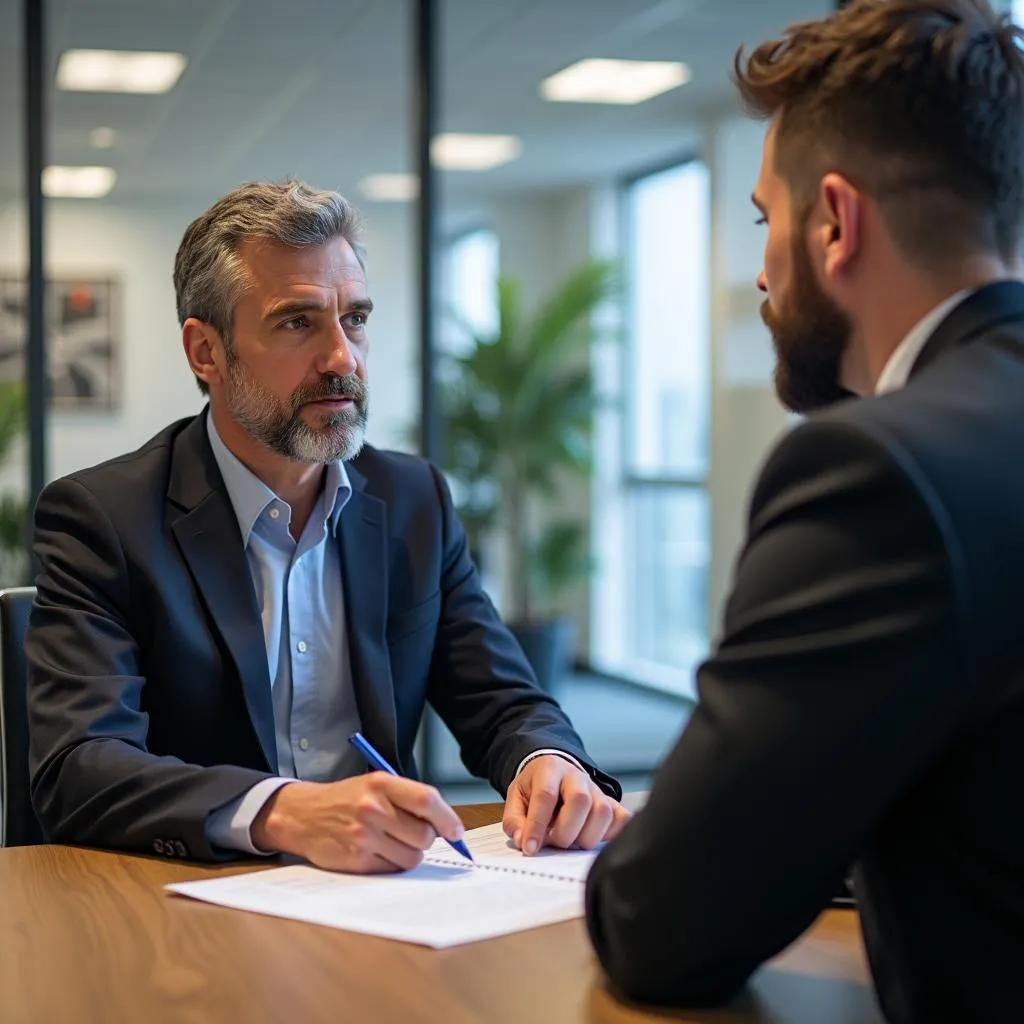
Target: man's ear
x=204 y=349
x=836 y=224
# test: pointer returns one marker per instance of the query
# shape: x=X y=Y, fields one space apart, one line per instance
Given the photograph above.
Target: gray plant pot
x=548 y=646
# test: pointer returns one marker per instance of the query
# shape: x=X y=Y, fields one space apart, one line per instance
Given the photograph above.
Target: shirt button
x=303 y=744
x=275 y=513
x=301 y=647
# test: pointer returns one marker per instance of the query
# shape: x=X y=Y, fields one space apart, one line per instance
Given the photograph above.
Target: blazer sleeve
x=93 y=780
x=480 y=681
x=837 y=680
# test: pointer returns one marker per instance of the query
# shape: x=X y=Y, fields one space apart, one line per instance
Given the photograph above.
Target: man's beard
x=810 y=334
x=259 y=413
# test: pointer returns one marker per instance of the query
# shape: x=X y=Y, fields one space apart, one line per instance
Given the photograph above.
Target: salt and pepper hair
x=209 y=276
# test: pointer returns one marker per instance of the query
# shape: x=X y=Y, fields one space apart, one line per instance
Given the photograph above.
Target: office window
x=651 y=621
x=668 y=251
x=470 y=278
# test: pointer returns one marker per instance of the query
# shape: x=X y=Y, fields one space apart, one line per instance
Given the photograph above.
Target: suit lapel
x=364 y=571
x=983 y=310
x=210 y=542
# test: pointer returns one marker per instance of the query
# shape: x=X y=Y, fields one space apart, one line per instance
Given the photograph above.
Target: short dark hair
x=919 y=102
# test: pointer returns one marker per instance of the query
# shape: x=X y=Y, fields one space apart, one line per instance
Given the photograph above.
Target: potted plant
x=517 y=407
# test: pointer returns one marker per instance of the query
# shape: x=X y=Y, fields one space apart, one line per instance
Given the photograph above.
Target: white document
x=445 y=901
x=492 y=849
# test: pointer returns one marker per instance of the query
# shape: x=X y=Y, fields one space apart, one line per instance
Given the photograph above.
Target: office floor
x=626 y=729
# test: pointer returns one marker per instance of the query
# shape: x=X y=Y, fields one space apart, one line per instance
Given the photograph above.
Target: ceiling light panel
x=77 y=182
x=119 y=71
x=390 y=188
x=461 y=152
x=598 y=80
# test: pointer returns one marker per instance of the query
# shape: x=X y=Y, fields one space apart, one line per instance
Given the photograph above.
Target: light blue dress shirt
x=302 y=604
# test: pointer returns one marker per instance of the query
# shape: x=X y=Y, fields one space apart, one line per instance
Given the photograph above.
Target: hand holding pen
x=368 y=824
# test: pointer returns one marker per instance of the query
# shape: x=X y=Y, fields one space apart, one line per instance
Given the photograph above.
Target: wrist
x=549 y=752
x=276 y=826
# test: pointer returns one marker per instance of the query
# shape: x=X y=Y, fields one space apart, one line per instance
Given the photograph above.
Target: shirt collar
x=249 y=495
x=897 y=370
x=337 y=491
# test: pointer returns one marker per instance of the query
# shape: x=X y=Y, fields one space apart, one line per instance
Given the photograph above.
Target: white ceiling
x=322 y=88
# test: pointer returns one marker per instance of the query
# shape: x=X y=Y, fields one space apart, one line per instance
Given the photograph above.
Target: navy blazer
x=149 y=697
x=865 y=706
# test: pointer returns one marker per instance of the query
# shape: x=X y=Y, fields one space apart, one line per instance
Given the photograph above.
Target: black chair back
x=18 y=823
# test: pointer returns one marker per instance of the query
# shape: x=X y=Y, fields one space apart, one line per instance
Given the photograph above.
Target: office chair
x=18 y=823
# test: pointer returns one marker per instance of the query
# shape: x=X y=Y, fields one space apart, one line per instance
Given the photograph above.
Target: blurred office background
x=537 y=176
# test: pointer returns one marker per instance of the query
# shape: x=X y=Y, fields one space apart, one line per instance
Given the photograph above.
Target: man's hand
x=364 y=825
x=551 y=802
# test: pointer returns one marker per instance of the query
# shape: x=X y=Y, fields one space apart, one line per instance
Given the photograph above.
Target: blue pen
x=363 y=746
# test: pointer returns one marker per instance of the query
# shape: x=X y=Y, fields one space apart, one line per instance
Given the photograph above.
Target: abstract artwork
x=81 y=336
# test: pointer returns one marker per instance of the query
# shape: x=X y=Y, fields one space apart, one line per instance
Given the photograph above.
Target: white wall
x=136 y=244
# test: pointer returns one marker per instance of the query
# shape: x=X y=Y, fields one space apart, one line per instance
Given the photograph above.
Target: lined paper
x=492 y=848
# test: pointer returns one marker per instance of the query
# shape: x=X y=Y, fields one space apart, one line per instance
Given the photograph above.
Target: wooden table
x=91 y=936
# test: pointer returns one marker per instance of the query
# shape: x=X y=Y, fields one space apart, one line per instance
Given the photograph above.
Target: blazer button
x=158 y=845
x=179 y=848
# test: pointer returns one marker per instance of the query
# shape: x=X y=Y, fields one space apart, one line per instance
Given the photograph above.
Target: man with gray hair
x=219 y=611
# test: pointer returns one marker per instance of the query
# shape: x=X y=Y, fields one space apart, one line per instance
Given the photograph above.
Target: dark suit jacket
x=149 y=695
x=865 y=704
